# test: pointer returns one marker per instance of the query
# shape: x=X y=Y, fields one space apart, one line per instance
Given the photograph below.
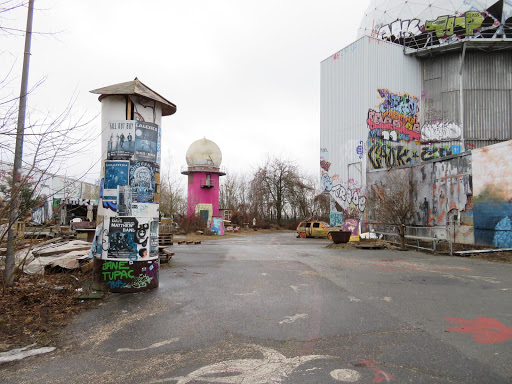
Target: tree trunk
x=402 y=238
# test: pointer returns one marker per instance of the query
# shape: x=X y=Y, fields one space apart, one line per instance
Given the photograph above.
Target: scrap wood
x=70 y=261
x=62 y=247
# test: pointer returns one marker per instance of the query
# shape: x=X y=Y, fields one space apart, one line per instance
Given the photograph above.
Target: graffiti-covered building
x=426 y=85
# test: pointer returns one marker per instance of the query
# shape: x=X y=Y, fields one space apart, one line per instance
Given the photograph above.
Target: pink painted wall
x=198 y=195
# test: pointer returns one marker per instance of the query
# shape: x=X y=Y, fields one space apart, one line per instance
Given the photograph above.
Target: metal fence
x=415 y=237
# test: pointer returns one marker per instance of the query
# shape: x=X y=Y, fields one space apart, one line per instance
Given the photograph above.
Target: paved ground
x=276 y=309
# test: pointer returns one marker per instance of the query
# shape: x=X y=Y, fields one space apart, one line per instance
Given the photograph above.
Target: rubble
x=55 y=255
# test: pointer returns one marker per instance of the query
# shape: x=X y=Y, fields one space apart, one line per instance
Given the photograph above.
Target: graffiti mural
x=387 y=155
x=325 y=164
x=440 y=131
x=467 y=24
x=336 y=219
x=351 y=199
x=127 y=276
x=436 y=152
x=397 y=118
x=444 y=29
x=492 y=200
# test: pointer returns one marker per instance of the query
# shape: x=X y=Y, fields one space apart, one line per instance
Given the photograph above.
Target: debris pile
x=53 y=256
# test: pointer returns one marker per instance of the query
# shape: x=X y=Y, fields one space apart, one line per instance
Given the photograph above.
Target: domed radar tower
x=203 y=169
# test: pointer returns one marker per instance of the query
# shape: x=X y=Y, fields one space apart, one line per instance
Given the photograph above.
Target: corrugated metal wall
x=350 y=83
x=487 y=84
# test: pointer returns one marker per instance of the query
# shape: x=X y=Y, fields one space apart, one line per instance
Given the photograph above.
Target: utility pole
x=18 y=154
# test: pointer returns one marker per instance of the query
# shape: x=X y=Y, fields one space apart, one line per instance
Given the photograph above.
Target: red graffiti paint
x=484 y=329
x=380 y=375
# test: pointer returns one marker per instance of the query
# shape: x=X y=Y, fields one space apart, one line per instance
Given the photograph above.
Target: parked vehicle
x=316 y=228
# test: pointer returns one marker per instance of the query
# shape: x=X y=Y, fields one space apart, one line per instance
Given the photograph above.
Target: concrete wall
x=365 y=89
x=492 y=180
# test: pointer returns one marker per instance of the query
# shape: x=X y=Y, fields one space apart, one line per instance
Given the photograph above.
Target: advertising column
x=127 y=257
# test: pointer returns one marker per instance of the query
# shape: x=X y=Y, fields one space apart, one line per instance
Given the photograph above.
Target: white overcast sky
x=243 y=73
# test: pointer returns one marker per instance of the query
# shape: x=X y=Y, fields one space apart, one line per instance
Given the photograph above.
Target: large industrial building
x=427 y=85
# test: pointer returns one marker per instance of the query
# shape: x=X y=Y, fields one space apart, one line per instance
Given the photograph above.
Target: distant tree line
x=274 y=193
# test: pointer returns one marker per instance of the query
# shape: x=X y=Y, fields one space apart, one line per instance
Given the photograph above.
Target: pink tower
x=203 y=161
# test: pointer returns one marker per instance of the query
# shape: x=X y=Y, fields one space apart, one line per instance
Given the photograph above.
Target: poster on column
x=116 y=174
x=142 y=181
x=159 y=148
x=124 y=201
x=121 y=139
x=146 y=141
x=127 y=238
x=154 y=237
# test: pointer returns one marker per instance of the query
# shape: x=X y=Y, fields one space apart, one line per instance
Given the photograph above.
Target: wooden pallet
x=165 y=239
x=165 y=255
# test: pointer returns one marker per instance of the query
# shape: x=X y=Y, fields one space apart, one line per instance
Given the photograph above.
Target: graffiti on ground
x=275 y=368
x=485 y=330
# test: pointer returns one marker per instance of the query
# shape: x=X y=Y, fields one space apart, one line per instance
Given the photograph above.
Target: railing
x=207 y=183
x=434 y=235
x=203 y=168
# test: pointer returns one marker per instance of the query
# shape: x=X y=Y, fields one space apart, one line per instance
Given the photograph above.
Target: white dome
x=381 y=15
x=204 y=152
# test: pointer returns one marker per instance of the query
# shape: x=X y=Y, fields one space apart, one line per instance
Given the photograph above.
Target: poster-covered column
x=126 y=258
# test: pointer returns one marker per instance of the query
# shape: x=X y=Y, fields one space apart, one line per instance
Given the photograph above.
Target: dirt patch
x=499 y=257
x=228 y=235
x=38 y=307
x=353 y=245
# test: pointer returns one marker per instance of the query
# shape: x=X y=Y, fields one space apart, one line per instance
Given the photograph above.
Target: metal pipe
x=461 y=95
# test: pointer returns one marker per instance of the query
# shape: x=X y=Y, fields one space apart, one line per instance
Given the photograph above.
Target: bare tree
x=322 y=207
x=173 y=199
x=391 y=201
x=301 y=197
x=272 y=187
x=46 y=142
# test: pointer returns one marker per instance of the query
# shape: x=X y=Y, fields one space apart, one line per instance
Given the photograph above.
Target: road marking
x=156 y=345
x=246 y=294
x=388 y=299
x=292 y=319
